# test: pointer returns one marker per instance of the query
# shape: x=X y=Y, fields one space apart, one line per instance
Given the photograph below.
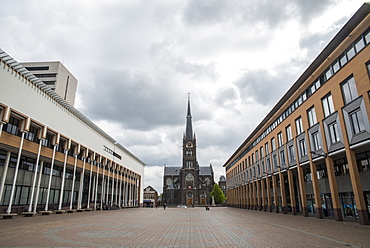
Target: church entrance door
x=203 y=201
x=190 y=201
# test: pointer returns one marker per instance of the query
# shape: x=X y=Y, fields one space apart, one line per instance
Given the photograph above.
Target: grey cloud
x=133 y=99
x=256 y=12
x=315 y=42
x=263 y=87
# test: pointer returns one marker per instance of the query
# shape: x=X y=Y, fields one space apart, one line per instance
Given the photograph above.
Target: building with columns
x=189 y=184
x=310 y=155
x=54 y=158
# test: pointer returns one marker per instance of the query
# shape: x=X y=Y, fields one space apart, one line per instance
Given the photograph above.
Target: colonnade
x=96 y=182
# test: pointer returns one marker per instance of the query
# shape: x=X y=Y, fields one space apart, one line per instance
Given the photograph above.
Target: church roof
x=172 y=170
x=205 y=170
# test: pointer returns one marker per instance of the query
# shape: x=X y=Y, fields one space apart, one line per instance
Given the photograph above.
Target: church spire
x=189 y=125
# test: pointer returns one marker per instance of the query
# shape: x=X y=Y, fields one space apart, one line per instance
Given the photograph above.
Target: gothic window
x=207 y=181
x=189 y=164
x=189 y=152
x=168 y=181
x=189 y=177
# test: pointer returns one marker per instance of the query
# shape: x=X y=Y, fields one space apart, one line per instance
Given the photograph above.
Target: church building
x=189 y=184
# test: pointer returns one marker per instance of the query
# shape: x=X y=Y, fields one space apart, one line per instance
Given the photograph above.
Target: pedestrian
x=164 y=206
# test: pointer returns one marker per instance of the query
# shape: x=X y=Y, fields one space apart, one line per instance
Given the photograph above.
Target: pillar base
x=294 y=210
x=29 y=214
x=45 y=212
x=338 y=214
x=305 y=211
x=270 y=208
x=71 y=211
x=319 y=213
x=276 y=209
x=8 y=216
x=363 y=217
x=285 y=209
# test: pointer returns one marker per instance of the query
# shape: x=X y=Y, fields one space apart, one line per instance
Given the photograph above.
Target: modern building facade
x=150 y=197
x=189 y=184
x=311 y=153
x=54 y=158
x=55 y=75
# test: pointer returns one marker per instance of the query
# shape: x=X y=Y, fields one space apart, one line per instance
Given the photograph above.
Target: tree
x=218 y=194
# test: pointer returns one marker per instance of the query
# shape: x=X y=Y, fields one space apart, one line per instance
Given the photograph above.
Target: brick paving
x=192 y=227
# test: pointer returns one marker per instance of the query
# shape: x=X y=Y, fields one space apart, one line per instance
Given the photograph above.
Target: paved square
x=192 y=227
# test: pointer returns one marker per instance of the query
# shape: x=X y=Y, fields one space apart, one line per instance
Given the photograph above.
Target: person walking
x=164 y=206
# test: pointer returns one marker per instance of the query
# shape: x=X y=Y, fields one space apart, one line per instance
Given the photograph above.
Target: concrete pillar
x=293 y=203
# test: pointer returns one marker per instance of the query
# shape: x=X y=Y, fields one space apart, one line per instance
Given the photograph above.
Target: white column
x=112 y=197
x=96 y=186
x=102 y=189
x=120 y=191
x=89 y=191
x=107 y=191
x=9 y=210
x=3 y=177
x=73 y=182
x=35 y=176
x=126 y=192
x=117 y=192
x=80 y=191
x=38 y=187
x=50 y=177
x=63 y=179
x=130 y=192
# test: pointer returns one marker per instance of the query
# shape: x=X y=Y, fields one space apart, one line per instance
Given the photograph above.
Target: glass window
x=289 y=132
x=357 y=121
x=275 y=161
x=349 y=90
x=302 y=148
x=12 y=126
x=261 y=152
x=311 y=113
x=350 y=53
x=359 y=44
x=273 y=145
x=282 y=157
x=267 y=148
x=316 y=145
x=280 y=139
x=367 y=37
x=298 y=125
x=333 y=132
x=335 y=66
x=268 y=164
x=328 y=73
x=327 y=104
x=368 y=67
x=291 y=153
x=343 y=59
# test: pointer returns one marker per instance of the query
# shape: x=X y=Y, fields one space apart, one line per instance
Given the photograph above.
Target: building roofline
x=360 y=14
x=8 y=60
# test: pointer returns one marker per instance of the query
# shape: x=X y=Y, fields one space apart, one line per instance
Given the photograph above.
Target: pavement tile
x=178 y=228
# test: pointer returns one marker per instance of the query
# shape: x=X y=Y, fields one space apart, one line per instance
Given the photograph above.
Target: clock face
x=189 y=144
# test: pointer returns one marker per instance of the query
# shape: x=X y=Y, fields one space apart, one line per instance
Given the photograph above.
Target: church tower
x=188 y=184
x=190 y=168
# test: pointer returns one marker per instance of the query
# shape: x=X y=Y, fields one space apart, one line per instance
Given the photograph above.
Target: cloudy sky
x=136 y=61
